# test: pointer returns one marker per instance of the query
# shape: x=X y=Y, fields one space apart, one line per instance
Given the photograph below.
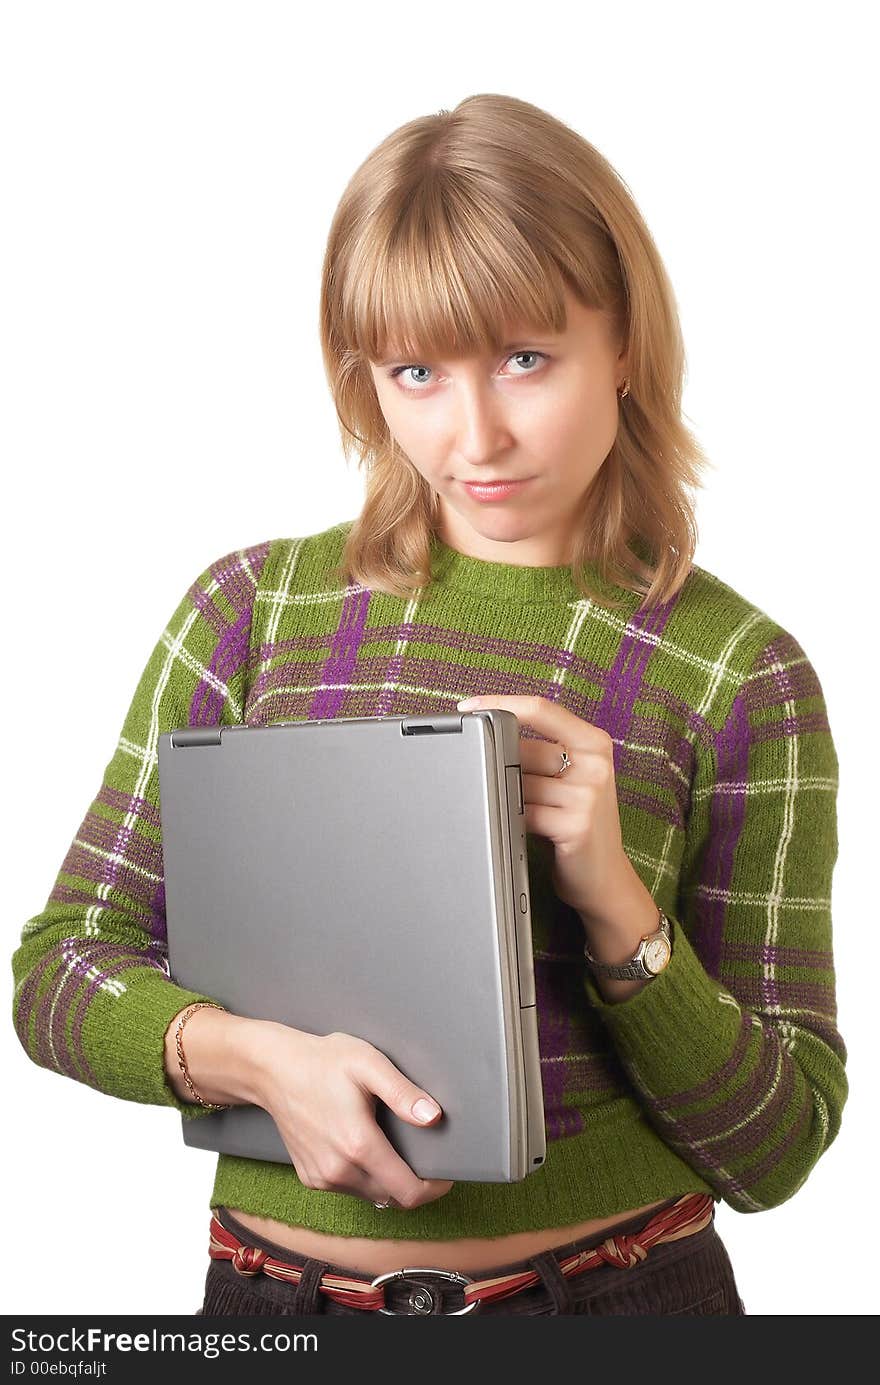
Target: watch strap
x=634 y=969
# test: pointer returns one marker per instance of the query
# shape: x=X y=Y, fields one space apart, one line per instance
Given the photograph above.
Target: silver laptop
x=368 y=876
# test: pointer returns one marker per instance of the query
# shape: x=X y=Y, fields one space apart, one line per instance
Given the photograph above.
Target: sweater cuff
x=123 y=1039
x=679 y=1029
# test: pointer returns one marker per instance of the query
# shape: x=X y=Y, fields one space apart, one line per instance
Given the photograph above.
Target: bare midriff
x=368 y=1256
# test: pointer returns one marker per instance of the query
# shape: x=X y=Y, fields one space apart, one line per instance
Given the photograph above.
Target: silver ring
x=566 y=763
x=383 y=1206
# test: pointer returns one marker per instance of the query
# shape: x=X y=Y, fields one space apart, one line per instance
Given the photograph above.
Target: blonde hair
x=456 y=224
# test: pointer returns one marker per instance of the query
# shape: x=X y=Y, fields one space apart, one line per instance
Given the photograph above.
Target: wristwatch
x=651 y=956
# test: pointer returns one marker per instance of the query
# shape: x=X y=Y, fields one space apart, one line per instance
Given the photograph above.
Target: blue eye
x=398 y=370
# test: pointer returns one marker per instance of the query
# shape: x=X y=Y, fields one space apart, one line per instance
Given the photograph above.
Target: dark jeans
x=692 y=1276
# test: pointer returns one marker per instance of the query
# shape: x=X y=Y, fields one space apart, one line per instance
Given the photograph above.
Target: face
x=545 y=412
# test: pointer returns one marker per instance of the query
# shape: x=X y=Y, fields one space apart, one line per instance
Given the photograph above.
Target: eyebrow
x=520 y=345
x=529 y=341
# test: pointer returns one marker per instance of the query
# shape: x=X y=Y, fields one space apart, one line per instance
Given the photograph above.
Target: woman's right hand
x=321 y=1092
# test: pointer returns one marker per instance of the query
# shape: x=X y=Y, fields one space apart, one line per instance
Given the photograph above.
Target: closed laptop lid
x=366 y=875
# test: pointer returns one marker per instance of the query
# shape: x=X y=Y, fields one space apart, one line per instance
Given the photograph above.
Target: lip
x=494 y=490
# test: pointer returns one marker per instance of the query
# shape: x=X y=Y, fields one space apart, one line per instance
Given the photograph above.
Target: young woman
x=503 y=349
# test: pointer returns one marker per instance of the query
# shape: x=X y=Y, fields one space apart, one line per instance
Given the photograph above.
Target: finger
x=356 y=1180
x=545 y=758
x=361 y=1183
x=545 y=789
x=386 y=1169
x=540 y=714
x=377 y=1076
x=371 y=1189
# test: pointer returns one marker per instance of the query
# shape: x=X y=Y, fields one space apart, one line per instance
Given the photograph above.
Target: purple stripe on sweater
x=742 y=1107
x=826 y=1030
x=207 y=608
x=343 y=655
x=767 y=688
x=446 y=680
x=230 y=654
x=231 y=651
x=293 y=645
x=77 y=957
x=623 y=680
x=554 y=1042
x=65 y=894
x=142 y=854
x=759 y=954
x=135 y=960
x=781 y=649
x=119 y=875
x=696 y=727
x=27 y=994
x=63 y=987
x=235 y=581
x=705 y=1163
x=85 y=864
x=567 y=1028
x=158 y=918
x=129 y=803
x=472 y=642
x=727 y=812
x=790 y=726
x=112 y=862
x=391 y=677
x=771 y=1161
x=765 y=1117
x=467 y=643
x=698 y=1158
x=663 y=812
x=764 y=994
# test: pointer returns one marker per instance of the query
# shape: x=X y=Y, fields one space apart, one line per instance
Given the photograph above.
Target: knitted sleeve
x=92 y=996
x=733 y=1049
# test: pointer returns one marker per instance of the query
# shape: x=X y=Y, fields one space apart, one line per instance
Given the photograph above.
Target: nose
x=481 y=429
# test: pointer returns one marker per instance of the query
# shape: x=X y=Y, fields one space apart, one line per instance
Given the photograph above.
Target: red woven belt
x=684 y=1218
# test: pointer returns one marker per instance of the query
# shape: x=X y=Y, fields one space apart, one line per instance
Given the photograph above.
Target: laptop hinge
x=195 y=735
x=431 y=726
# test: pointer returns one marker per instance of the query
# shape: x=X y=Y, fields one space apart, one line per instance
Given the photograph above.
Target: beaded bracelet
x=181 y=1059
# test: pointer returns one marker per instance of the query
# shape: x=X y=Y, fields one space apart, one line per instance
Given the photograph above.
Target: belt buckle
x=422 y=1300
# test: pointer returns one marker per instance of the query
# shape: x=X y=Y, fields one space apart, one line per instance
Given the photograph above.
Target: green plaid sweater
x=724 y=1074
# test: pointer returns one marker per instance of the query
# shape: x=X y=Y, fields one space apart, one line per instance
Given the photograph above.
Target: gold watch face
x=656 y=955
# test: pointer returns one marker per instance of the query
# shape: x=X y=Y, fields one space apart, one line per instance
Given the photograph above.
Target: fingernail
x=425 y=1110
x=465 y=703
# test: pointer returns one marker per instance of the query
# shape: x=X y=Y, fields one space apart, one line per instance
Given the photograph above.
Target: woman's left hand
x=576 y=810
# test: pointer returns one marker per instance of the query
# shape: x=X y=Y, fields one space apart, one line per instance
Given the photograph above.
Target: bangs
x=452 y=278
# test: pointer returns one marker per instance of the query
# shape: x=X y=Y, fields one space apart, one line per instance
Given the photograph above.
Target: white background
x=169 y=173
